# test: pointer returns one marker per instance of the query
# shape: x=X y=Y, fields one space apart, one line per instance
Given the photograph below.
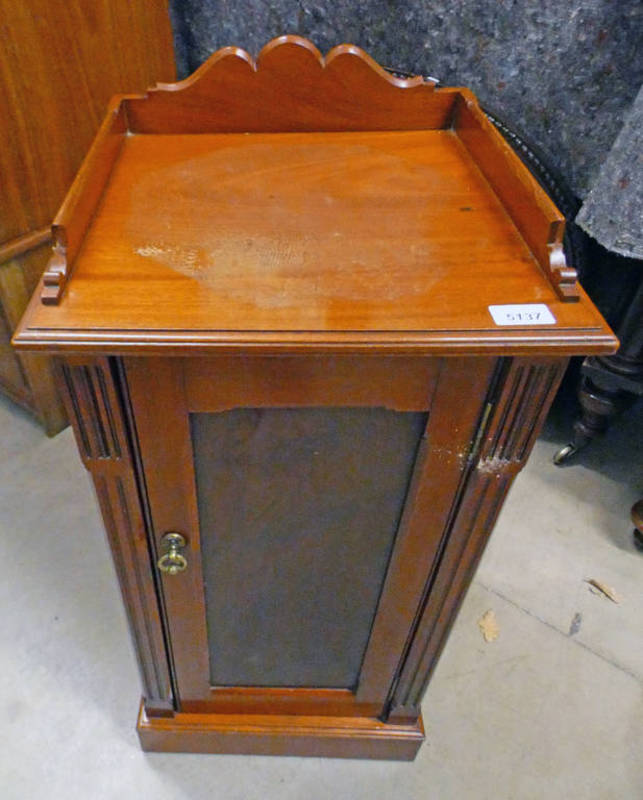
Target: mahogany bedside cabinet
x=309 y=318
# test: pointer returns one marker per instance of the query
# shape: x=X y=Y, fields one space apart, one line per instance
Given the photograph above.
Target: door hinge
x=482 y=427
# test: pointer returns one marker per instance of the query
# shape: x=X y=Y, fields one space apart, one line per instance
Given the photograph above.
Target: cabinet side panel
x=518 y=403
x=94 y=405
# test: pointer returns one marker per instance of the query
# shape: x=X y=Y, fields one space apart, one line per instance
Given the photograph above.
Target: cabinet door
x=313 y=493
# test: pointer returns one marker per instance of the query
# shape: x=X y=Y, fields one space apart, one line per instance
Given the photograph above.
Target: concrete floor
x=539 y=713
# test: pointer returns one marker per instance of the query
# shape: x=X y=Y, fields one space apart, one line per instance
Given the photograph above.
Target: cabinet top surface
x=366 y=232
x=398 y=239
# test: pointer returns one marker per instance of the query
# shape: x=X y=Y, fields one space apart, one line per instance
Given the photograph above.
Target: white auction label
x=522 y=314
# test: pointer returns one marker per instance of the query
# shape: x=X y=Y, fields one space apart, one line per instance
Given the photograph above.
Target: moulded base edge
x=280 y=735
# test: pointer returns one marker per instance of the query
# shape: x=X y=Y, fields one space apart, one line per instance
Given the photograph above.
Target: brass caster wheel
x=564 y=454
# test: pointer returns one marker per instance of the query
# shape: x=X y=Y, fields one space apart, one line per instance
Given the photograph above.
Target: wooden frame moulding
x=75 y=214
x=281 y=735
x=93 y=396
x=517 y=404
x=533 y=213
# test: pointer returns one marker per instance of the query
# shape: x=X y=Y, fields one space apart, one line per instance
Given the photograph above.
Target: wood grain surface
x=162 y=395
x=60 y=62
x=396 y=383
x=517 y=403
x=216 y=239
x=273 y=734
x=297 y=200
x=94 y=402
x=291 y=87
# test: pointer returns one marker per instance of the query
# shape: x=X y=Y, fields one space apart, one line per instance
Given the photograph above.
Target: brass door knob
x=172 y=561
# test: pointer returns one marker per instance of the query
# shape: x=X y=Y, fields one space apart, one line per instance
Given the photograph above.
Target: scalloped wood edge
x=297 y=41
x=290 y=86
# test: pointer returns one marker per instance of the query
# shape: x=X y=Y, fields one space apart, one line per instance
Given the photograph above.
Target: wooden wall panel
x=60 y=62
x=26 y=379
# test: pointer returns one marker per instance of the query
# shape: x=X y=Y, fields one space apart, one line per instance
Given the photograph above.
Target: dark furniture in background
x=637 y=519
x=609 y=383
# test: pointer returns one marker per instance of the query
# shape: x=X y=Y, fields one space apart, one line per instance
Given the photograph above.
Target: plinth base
x=280 y=735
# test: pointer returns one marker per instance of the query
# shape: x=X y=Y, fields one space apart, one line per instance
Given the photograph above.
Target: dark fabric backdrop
x=565 y=73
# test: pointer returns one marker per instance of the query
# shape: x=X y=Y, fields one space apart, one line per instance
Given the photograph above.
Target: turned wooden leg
x=609 y=383
x=598 y=405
